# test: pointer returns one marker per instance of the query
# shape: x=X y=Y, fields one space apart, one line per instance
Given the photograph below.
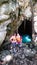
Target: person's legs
x=14 y=44
x=19 y=44
x=14 y=50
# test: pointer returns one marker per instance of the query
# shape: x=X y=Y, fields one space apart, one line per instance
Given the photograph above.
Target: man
x=18 y=39
x=13 y=40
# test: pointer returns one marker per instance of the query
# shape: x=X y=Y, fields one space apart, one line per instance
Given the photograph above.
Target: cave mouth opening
x=25 y=28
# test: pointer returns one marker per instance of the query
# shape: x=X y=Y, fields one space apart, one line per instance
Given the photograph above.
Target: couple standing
x=16 y=39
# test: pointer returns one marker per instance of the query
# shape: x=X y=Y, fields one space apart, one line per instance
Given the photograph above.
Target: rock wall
x=16 y=11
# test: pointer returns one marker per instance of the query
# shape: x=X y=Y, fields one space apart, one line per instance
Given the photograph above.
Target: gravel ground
x=21 y=56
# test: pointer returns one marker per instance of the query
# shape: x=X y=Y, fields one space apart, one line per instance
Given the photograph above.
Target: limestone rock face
x=10 y=10
x=23 y=2
x=35 y=9
x=15 y=11
x=35 y=23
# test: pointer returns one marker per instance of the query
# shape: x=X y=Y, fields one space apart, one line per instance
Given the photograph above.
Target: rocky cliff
x=16 y=10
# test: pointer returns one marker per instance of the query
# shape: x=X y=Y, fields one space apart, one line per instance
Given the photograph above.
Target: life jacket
x=18 y=38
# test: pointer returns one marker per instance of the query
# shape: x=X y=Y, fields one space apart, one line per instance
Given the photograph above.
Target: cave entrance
x=25 y=28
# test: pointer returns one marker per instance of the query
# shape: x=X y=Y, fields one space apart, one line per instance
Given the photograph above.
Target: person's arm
x=11 y=39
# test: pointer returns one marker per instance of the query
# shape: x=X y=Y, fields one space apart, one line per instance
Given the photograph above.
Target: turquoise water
x=26 y=39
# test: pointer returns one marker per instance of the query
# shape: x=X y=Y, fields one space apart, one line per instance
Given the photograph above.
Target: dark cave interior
x=27 y=29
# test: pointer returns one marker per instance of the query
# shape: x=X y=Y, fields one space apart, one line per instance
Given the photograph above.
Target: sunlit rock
x=35 y=13
x=4 y=8
x=4 y=17
x=3 y=30
x=23 y=2
x=2 y=35
x=35 y=26
x=5 y=23
x=36 y=39
x=13 y=6
x=7 y=58
x=35 y=9
x=35 y=18
x=27 y=12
